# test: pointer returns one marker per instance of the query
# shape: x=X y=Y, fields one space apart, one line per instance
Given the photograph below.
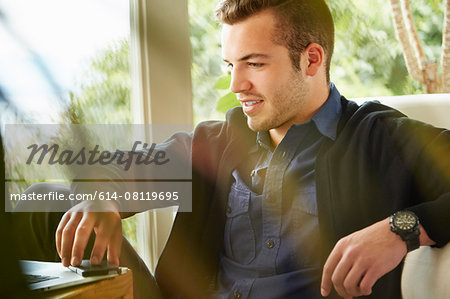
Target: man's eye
x=229 y=67
x=254 y=64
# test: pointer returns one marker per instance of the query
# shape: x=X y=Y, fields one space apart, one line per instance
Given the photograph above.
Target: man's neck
x=277 y=134
x=318 y=98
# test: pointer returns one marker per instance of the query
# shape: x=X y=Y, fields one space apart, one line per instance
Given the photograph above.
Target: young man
x=292 y=194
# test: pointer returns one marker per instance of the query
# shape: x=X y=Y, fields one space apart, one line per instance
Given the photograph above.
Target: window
x=50 y=50
x=65 y=62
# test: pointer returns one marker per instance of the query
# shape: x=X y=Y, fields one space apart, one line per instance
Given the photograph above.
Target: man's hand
x=360 y=259
x=75 y=228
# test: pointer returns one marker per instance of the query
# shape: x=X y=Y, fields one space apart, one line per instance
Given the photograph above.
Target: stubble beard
x=287 y=102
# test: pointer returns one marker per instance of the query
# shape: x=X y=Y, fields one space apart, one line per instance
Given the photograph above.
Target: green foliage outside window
x=103 y=97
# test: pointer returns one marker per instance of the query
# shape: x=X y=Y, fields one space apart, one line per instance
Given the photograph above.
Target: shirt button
x=229 y=209
x=253 y=173
x=283 y=154
x=270 y=244
x=237 y=295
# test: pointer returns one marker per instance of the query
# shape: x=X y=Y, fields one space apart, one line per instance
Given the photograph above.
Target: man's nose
x=239 y=81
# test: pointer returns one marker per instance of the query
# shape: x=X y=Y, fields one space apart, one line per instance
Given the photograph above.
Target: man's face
x=271 y=91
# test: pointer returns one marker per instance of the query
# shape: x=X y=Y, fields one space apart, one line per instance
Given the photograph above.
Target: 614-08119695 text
x=139 y=195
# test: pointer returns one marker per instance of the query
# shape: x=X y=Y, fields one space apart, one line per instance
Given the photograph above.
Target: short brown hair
x=299 y=23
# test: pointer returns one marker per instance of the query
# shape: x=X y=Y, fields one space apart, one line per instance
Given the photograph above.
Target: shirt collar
x=263 y=140
x=327 y=117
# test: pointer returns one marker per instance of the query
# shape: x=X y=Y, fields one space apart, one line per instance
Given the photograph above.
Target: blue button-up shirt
x=272 y=238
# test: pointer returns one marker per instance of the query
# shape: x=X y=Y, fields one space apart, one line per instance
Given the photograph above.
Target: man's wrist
x=425 y=240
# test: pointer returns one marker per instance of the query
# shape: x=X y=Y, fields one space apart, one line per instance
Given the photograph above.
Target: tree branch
x=412 y=33
x=412 y=63
x=431 y=78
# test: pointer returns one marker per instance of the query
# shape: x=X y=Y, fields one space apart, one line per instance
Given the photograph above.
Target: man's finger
x=82 y=234
x=351 y=282
x=114 y=247
x=328 y=269
x=98 y=251
x=58 y=235
x=339 y=275
x=103 y=235
x=67 y=238
x=368 y=281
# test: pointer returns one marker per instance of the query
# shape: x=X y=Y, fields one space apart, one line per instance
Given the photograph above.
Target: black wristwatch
x=406 y=224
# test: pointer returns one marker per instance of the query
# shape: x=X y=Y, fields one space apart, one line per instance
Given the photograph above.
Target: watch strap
x=413 y=242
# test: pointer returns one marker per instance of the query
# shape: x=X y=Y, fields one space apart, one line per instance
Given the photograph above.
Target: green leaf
x=223 y=82
x=226 y=102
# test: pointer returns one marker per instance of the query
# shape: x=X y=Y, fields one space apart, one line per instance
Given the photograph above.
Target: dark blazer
x=380 y=162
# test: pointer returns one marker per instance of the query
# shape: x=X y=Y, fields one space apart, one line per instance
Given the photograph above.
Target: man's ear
x=314 y=58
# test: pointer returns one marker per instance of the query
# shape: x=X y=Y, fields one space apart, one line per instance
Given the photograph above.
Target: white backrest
x=430 y=108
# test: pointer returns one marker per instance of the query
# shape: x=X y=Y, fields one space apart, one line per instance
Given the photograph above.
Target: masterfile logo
x=55 y=154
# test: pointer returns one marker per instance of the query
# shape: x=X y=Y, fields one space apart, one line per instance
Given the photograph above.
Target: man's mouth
x=250 y=106
x=251 y=103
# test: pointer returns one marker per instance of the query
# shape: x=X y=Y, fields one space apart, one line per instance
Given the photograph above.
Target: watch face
x=405 y=221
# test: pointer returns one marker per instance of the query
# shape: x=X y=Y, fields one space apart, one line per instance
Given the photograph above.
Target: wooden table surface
x=120 y=286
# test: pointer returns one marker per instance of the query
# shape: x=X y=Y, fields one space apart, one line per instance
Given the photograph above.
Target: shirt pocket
x=239 y=232
x=305 y=234
x=306 y=201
